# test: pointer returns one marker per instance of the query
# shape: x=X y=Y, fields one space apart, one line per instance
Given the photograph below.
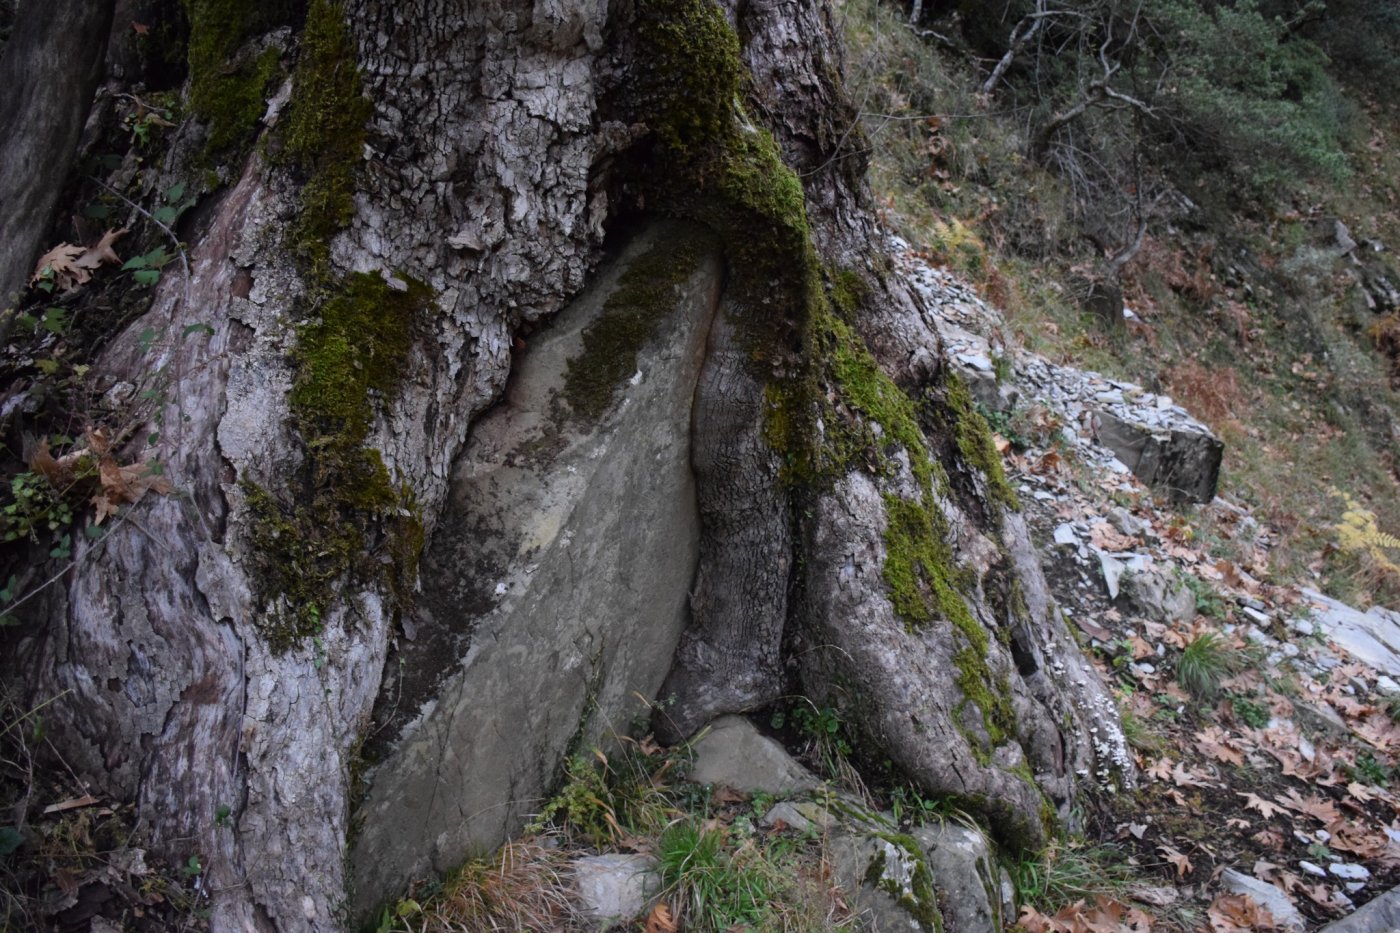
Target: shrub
x=1205 y=662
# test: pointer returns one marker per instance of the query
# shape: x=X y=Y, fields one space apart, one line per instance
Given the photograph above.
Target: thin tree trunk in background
x=49 y=70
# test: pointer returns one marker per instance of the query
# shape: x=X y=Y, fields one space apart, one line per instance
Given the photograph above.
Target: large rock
x=1372 y=637
x=554 y=587
x=1159 y=596
x=1185 y=461
x=1379 y=916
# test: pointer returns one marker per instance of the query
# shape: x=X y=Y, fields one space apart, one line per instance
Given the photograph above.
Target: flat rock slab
x=555 y=586
x=1381 y=915
x=1266 y=896
x=734 y=754
x=1372 y=637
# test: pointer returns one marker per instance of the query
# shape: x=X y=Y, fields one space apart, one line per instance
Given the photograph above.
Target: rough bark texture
x=486 y=175
x=49 y=75
x=730 y=659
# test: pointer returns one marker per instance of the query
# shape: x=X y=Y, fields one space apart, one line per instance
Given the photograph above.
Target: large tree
x=385 y=196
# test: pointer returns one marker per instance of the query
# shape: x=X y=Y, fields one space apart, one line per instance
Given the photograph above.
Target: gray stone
x=940 y=876
x=555 y=585
x=1381 y=915
x=1372 y=637
x=615 y=889
x=890 y=882
x=1184 y=462
x=1266 y=896
x=1349 y=872
x=1320 y=718
x=1159 y=596
x=1126 y=522
x=966 y=876
x=801 y=815
x=733 y=754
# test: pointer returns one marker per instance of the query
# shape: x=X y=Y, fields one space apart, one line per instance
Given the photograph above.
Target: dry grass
x=1209 y=392
x=523 y=887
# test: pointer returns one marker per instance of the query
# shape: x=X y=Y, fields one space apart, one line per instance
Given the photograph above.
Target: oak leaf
x=661 y=920
x=1266 y=808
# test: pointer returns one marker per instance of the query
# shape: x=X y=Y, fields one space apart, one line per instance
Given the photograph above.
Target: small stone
x=1064 y=535
x=1349 y=872
x=1258 y=617
x=1387 y=685
x=1311 y=869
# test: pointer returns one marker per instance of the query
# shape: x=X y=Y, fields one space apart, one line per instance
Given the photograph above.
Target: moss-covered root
x=322 y=135
x=344 y=514
x=228 y=84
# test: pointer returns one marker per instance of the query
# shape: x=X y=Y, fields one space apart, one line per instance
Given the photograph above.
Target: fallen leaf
x=1268 y=809
x=59 y=261
x=1177 y=858
x=661 y=920
x=1229 y=913
x=1185 y=777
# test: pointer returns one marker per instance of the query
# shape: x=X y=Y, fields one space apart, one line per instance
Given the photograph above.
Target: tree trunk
x=49 y=68
x=221 y=650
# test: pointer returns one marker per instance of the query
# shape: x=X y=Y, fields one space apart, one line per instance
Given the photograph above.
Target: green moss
x=644 y=294
x=322 y=134
x=848 y=292
x=924 y=588
x=696 y=74
x=343 y=514
x=354 y=353
x=228 y=84
x=974 y=440
x=919 y=899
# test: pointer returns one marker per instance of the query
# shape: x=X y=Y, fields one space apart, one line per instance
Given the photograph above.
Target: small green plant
x=1205 y=663
x=1368 y=770
x=145 y=270
x=725 y=878
x=34 y=506
x=1069 y=872
x=584 y=807
x=911 y=808
x=1208 y=600
x=1254 y=715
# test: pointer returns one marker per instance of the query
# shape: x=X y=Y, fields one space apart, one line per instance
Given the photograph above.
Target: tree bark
x=493 y=158
x=49 y=69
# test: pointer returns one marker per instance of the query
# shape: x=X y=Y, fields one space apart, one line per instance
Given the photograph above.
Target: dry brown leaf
x=1185 y=777
x=1230 y=913
x=1105 y=537
x=1214 y=743
x=1177 y=858
x=1315 y=807
x=102 y=251
x=661 y=920
x=1105 y=916
x=61 y=261
x=1267 y=808
x=1161 y=769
